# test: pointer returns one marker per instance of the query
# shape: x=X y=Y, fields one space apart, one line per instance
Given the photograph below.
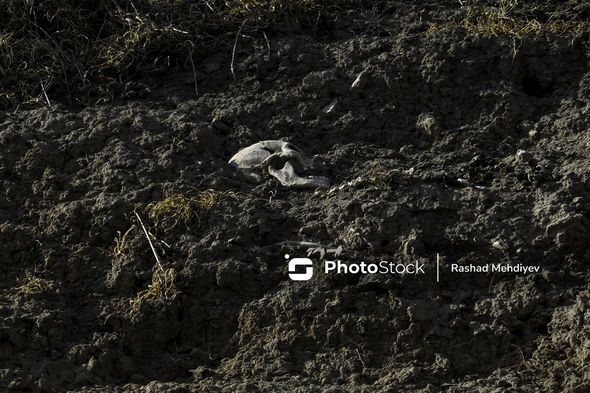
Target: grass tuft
x=166 y=214
x=181 y=208
x=90 y=51
x=32 y=285
x=505 y=19
x=162 y=288
x=121 y=244
x=510 y=18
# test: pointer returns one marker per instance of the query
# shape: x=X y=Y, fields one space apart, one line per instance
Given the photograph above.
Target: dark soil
x=424 y=156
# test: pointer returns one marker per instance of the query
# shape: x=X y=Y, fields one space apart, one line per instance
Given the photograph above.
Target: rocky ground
x=458 y=138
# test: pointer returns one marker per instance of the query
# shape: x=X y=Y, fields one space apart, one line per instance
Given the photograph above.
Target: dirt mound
x=449 y=130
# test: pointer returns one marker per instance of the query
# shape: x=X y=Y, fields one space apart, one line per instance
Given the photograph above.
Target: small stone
x=330 y=107
x=464 y=182
x=428 y=125
x=499 y=245
x=360 y=81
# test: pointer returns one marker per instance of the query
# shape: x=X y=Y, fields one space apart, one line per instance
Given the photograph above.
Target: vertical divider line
x=437 y=268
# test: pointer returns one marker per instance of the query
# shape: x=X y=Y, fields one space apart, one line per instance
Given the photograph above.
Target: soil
x=468 y=146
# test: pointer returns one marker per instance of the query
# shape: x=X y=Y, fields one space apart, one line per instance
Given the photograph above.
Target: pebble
x=330 y=107
x=428 y=125
x=359 y=81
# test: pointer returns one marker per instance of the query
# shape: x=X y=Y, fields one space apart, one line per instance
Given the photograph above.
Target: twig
x=190 y=54
x=63 y=56
x=357 y=349
x=135 y=10
x=360 y=358
x=295 y=243
x=233 y=53
x=317 y=22
x=45 y=93
x=267 y=46
x=149 y=241
x=209 y=5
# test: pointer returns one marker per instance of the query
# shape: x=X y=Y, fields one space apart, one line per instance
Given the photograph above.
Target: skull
x=283 y=160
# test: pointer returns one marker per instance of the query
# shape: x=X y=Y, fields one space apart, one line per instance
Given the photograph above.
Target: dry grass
x=181 y=208
x=261 y=9
x=89 y=51
x=508 y=18
x=83 y=51
x=571 y=27
x=381 y=177
x=162 y=288
x=121 y=244
x=166 y=214
x=32 y=285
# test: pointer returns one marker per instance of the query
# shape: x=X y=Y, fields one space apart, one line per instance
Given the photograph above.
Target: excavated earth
x=472 y=147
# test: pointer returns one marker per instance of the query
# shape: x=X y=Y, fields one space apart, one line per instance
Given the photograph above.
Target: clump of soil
x=440 y=139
